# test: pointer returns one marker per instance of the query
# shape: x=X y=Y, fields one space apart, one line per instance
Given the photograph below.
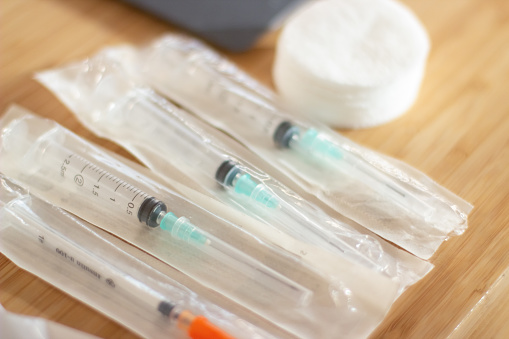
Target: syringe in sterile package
x=382 y=194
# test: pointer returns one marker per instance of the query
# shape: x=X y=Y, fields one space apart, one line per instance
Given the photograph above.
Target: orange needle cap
x=201 y=328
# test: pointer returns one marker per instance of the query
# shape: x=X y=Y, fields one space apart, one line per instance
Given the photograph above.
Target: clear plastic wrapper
x=161 y=135
x=384 y=195
x=280 y=287
x=72 y=255
x=25 y=327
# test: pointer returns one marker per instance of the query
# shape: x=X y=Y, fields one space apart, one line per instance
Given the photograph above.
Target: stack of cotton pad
x=351 y=63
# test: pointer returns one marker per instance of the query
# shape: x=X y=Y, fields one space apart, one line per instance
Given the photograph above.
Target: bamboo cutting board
x=457 y=132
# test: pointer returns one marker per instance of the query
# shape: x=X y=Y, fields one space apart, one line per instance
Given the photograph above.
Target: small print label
x=73 y=260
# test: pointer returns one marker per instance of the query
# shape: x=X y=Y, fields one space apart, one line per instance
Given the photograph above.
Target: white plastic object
x=192 y=74
x=75 y=257
x=351 y=63
x=163 y=136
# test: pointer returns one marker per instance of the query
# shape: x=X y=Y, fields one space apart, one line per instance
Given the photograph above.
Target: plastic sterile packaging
x=383 y=194
x=168 y=140
x=18 y=326
x=281 y=287
x=75 y=257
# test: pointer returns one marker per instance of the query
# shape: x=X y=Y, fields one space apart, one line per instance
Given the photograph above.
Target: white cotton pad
x=351 y=63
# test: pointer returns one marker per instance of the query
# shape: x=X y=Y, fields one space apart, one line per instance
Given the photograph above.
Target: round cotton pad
x=351 y=63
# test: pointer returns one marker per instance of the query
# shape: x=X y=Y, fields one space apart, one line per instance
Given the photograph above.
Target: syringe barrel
x=198 y=85
x=173 y=49
x=47 y=158
x=140 y=113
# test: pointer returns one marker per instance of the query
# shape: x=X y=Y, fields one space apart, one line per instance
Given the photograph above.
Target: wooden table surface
x=457 y=132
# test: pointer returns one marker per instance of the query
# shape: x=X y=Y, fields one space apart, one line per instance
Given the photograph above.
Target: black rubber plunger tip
x=165 y=308
x=222 y=172
x=149 y=211
x=284 y=133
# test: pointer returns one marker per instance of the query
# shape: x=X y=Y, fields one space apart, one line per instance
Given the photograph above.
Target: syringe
x=201 y=86
x=99 y=269
x=85 y=182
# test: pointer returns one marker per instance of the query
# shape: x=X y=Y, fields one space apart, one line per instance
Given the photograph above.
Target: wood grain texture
x=457 y=132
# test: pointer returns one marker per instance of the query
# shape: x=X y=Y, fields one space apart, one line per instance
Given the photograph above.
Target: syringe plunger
x=149 y=211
